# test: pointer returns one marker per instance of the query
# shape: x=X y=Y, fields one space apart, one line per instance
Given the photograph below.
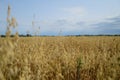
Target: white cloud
x=75 y=11
x=74 y=20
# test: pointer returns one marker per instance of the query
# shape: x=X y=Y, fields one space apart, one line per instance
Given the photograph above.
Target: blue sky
x=70 y=17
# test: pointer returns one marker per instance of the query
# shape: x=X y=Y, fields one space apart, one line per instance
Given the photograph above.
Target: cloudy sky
x=67 y=17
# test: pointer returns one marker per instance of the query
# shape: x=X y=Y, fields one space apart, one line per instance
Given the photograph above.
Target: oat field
x=60 y=58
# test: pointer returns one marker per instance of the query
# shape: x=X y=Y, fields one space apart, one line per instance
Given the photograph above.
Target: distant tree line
x=29 y=35
x=21 y=35
x=98 y=35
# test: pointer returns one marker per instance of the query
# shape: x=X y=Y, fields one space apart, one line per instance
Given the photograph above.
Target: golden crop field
x=60 y=58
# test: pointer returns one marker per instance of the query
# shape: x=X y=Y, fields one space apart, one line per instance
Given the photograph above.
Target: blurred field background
x=60 y=58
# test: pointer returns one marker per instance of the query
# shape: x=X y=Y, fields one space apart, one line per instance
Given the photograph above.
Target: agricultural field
x=60 y=58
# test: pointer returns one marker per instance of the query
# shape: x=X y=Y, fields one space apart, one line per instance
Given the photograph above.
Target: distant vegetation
x=29 y=35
